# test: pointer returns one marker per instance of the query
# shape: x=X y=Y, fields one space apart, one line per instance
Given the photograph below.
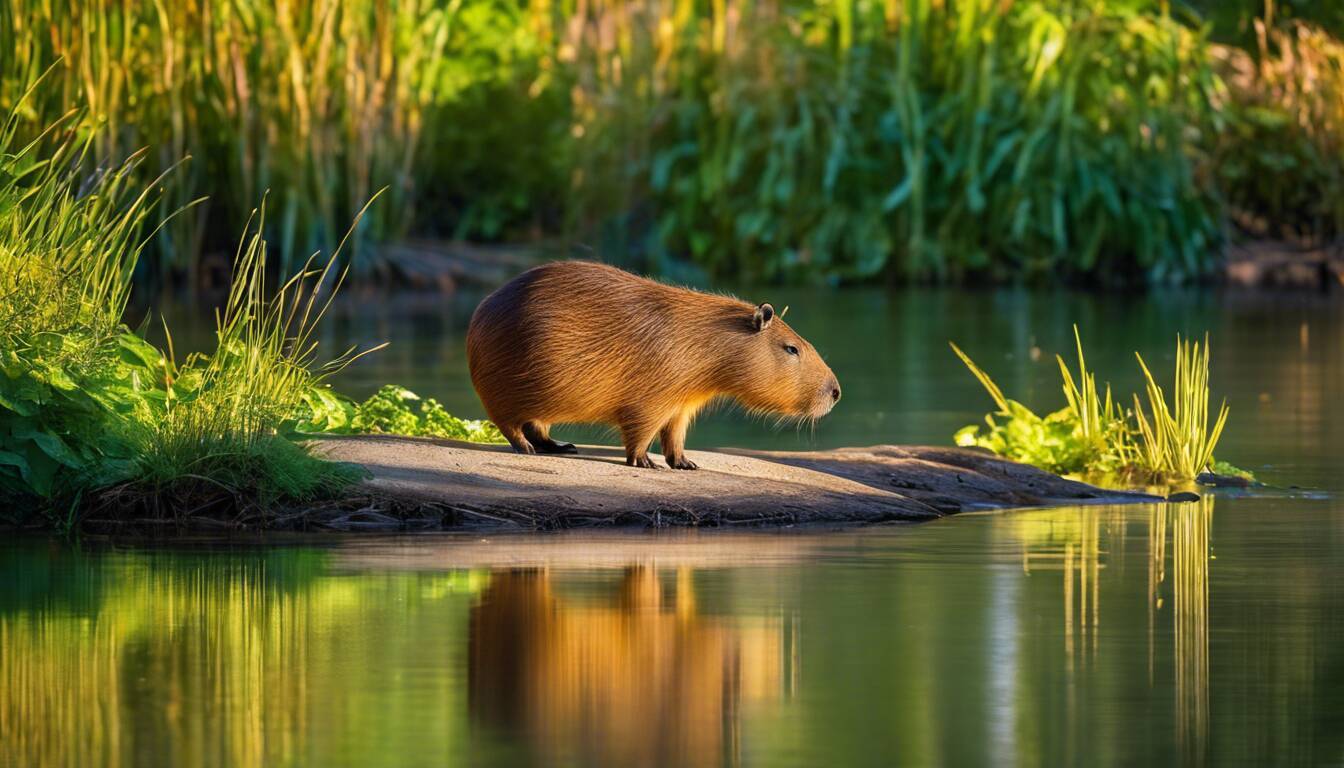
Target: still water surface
x=1195 y=633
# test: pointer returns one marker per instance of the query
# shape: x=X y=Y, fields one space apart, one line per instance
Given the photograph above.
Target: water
x=1198 y=633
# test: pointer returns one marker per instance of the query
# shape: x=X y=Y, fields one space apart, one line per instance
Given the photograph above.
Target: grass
x=1177 y=439
x=94 y=420
x=799 y=140
x=1165 y=441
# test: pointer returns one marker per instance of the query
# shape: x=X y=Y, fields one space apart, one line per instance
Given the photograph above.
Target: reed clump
x=1164 y=439
x=1281 y=159
x=792 y=140
x=88 y=408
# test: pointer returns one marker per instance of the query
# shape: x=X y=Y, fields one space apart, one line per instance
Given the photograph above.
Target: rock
x=1182 y=496
x=474 y=485
x=1222 y=481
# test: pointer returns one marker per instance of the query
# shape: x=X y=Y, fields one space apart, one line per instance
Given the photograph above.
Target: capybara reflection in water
x=580 y=342
x=637 y=676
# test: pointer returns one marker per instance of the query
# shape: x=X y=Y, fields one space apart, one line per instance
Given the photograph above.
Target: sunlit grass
x=1177 y=439
x=793 y=140
x=1092 y=434
x=86 y=404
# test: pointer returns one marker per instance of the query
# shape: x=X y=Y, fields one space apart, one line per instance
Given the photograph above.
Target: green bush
x=85 y=403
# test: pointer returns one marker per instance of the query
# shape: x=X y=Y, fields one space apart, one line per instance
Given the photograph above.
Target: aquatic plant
x=1088 y=434
x=1095 y=435
x=391 y=410
x=1177 y=439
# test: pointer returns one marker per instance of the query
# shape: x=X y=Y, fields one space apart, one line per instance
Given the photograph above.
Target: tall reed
x=1177 y=438
x=1281 y=161
x=323 y=103
x=87 y=404
x=769 y=139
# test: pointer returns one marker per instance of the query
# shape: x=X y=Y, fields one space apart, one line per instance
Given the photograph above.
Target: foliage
x=1095 y=435
x=391 y=410
x=1087 y=435
x=1176 y=439
x=84 y=402
x=1281 y=161
x=71 y=393
x=993 y=139
x=321 y=102
x=802 y=139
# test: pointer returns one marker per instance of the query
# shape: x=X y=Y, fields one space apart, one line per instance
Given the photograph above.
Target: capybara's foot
x=516 y=439
x=681 y=462
x=551 y=446
x=643 y=462
x=539 y=435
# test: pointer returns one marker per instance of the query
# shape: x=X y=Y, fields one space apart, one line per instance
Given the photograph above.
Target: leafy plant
x=392 y=410
x=86 y=404
x=1094 y=435
x=797 y=140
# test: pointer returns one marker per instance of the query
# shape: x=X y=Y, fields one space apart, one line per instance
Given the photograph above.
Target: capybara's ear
x=764 y=314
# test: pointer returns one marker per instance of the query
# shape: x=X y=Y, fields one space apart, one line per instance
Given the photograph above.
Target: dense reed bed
x=757 y=139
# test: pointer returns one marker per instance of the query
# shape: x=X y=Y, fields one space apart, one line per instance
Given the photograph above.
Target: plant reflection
x=635 y=679
x=161 y=659
x=1078 y=543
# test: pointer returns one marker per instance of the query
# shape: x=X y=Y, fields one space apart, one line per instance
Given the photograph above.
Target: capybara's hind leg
x=516 y=438
x=540 y=436
x=636 y=434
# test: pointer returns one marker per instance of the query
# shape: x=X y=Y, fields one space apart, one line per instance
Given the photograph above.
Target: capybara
x=581 y=342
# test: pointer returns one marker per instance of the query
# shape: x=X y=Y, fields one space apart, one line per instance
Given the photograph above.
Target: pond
x=1201 y=632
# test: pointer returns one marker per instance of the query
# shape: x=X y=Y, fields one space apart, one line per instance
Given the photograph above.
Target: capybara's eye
x=792 y=350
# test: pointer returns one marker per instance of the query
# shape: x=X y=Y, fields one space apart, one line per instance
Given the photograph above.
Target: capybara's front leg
x=514 y=434
x=637 y=433
x=540 y=436
x=673 y=439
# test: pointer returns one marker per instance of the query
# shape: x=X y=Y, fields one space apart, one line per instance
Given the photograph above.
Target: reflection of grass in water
x=217 y=656
x=1072 y=541
x=1190 y=616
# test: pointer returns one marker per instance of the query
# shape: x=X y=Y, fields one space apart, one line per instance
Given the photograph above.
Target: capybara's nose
x=835 y=392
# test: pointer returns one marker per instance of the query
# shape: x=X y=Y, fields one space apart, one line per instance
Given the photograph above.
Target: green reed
x=780 y=139
x=1169 y=441
x=87 y=405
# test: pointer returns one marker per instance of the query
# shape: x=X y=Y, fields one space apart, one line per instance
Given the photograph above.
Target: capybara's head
x=778 y=371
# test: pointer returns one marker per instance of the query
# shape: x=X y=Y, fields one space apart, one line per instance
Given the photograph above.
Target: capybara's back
x=581 y=342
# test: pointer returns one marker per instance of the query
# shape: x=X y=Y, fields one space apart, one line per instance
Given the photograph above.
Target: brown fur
x=580 y=342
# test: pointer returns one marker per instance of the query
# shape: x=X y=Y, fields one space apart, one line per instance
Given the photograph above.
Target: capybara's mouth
x=830 y=395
